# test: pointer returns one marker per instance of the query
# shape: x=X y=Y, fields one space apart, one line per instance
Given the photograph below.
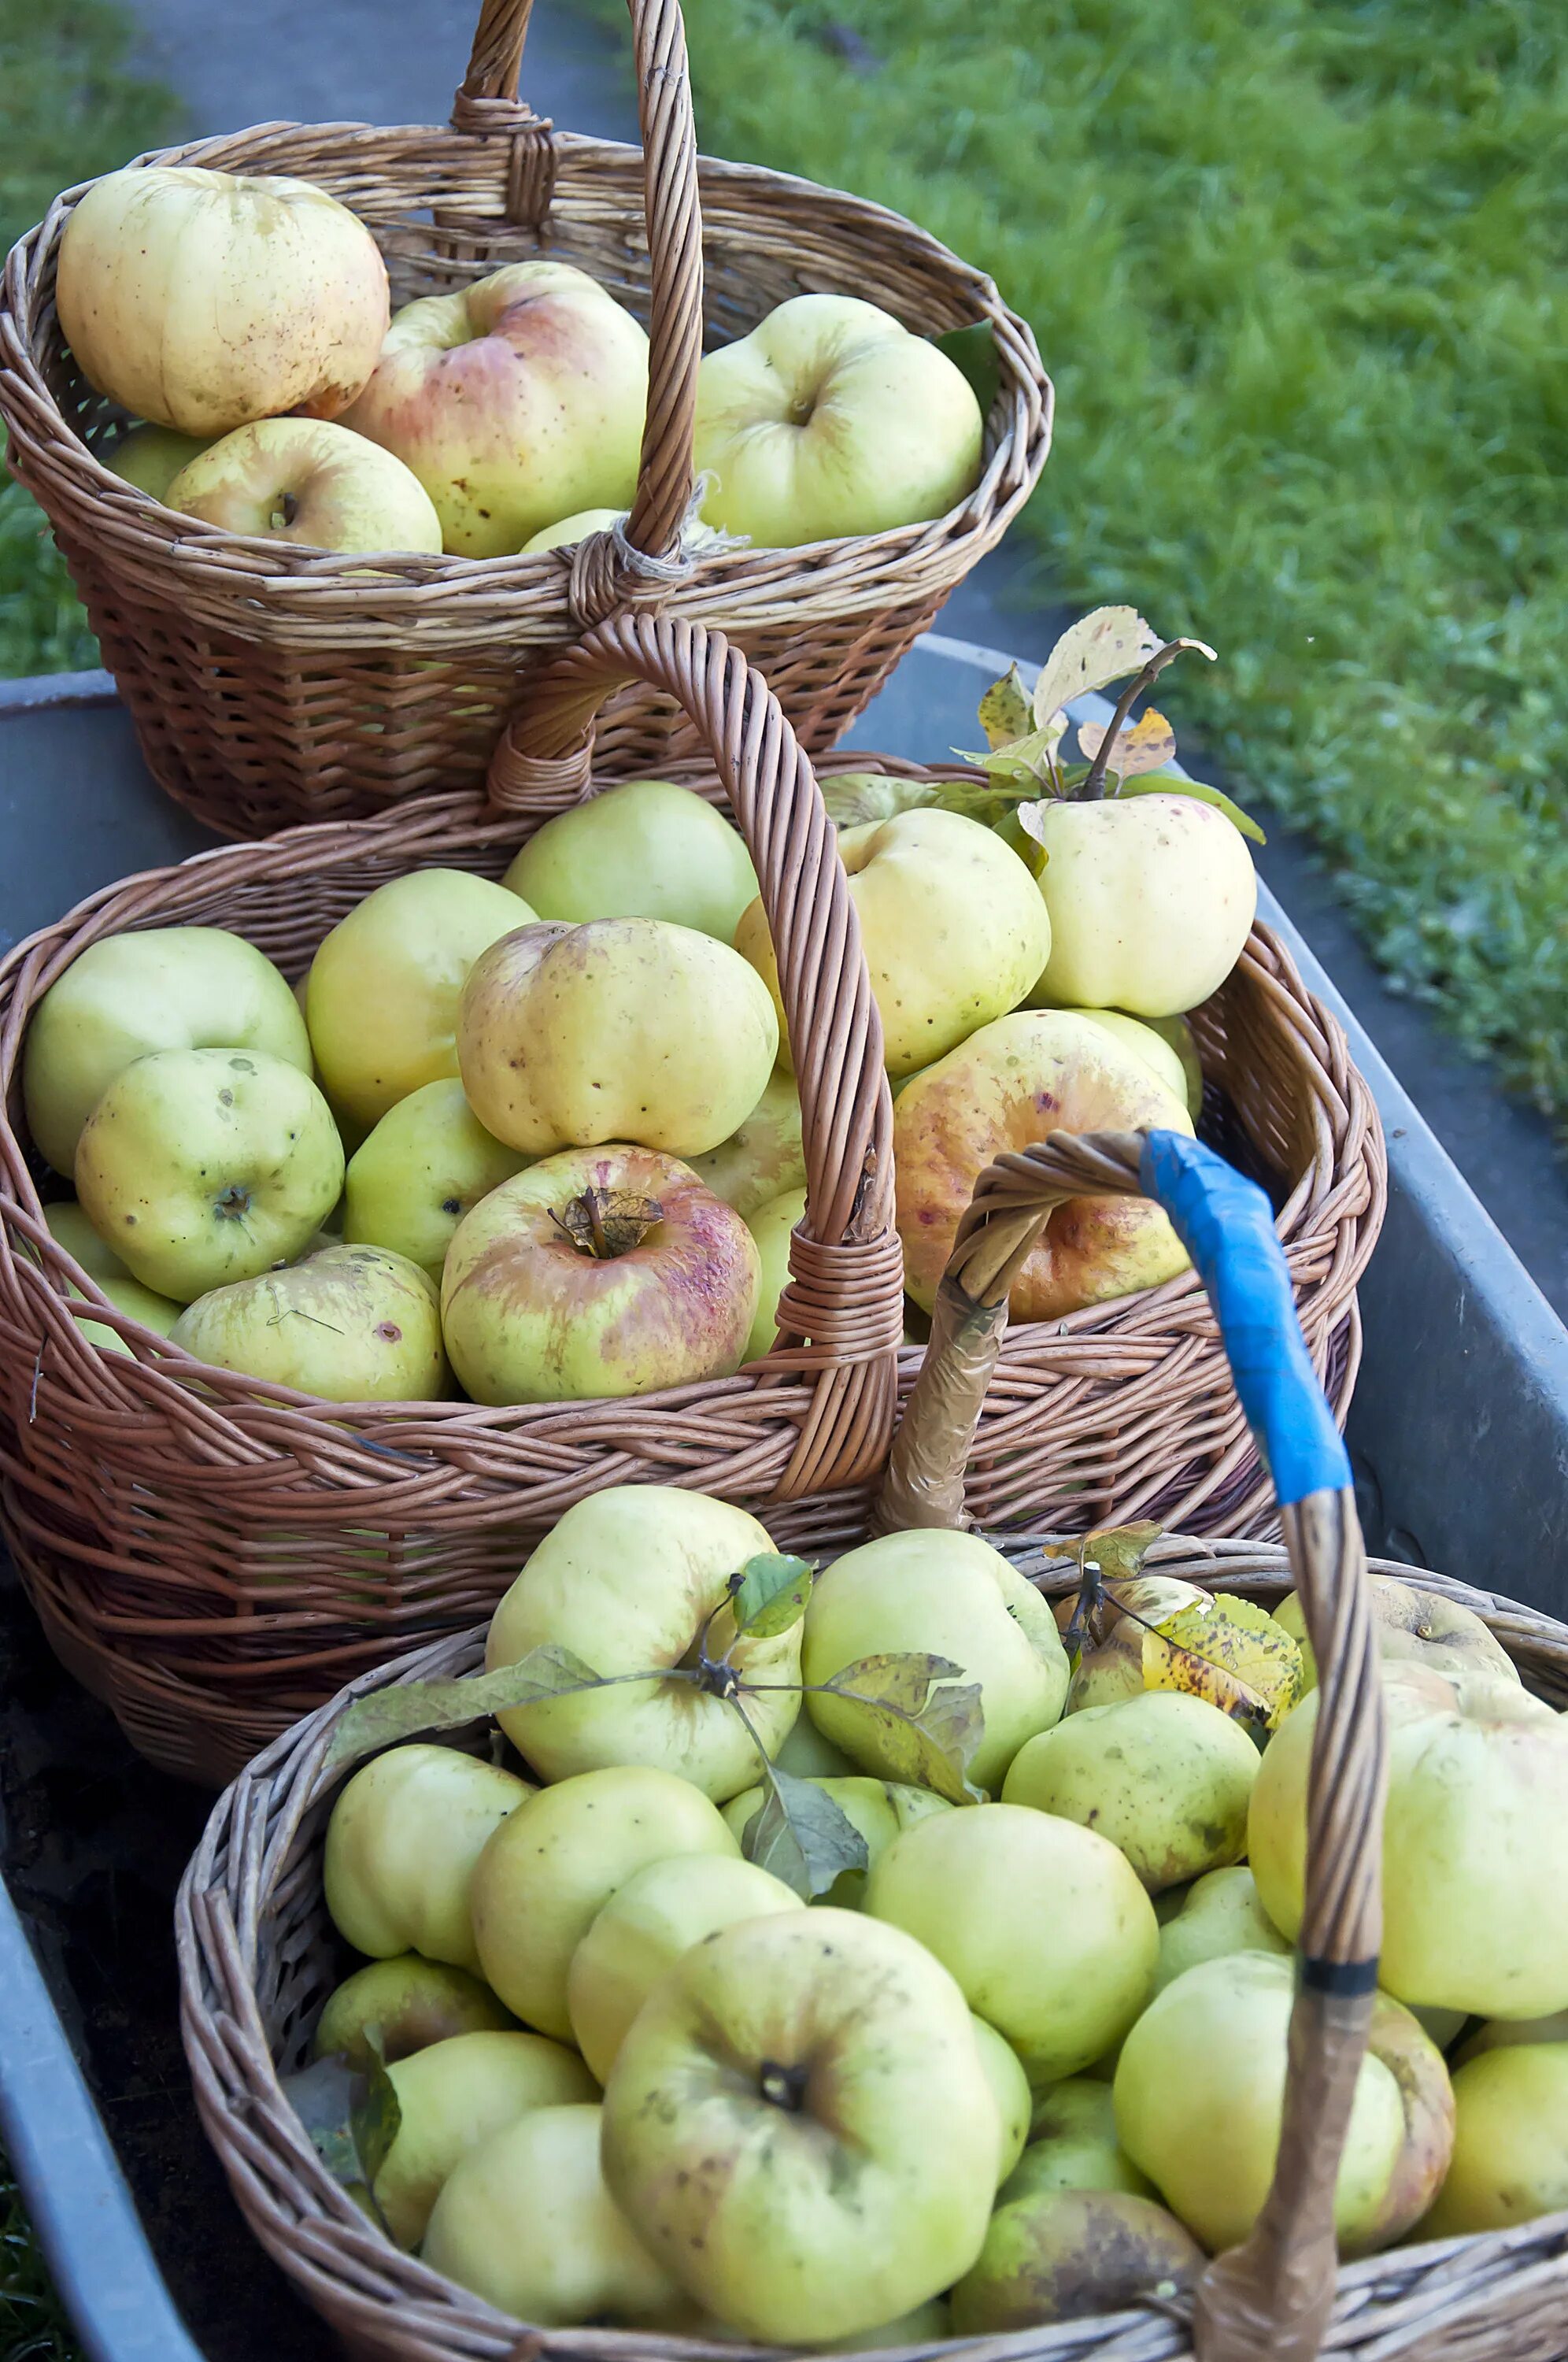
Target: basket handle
x=1275 y=2293
x=606 y=572
x=841 y=1314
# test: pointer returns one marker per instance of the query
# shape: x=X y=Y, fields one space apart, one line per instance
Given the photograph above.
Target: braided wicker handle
x=487 y=106
x=1273 y=2295
x=842 y=1313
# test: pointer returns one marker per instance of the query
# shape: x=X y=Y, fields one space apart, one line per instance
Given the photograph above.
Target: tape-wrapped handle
x=1272 y=2295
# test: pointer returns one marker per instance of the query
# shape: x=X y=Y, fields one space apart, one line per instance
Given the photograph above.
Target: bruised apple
x=351 y=1323
x=1014 y=1082
x=390 y=2008
x=597 y=1273
x=1058 y=2255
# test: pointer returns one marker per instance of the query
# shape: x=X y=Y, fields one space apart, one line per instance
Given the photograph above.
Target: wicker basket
x=272 y=685
x=213 y=1556
x=258 y=1957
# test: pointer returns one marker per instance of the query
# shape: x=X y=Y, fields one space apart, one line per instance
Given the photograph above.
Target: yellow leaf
x=1231 y=1651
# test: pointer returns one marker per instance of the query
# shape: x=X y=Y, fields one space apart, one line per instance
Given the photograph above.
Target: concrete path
x=398 y=62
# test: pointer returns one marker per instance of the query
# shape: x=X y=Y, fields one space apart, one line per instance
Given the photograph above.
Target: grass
x=69 y=107
x=1297 y=267
x=33 y=2327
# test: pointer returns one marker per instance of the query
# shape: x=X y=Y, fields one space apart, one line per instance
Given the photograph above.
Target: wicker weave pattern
x=270 y=684
x=258 y=1957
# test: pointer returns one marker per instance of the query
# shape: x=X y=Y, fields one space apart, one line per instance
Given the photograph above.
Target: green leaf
x=382 y=1718
x=1103 y=646
x=770 y=1595
x=802 y=1836
x=1157 y=783
x=854 y=798
x=1005 y=712
x=1026 y=762
x=1119 y=1551
x=931 y=1718
x=973 y=350
x=351 y=2115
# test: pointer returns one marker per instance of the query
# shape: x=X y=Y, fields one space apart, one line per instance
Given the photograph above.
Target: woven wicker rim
x=1499 y=2294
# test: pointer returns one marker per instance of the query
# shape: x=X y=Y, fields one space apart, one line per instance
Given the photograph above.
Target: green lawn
x=33 y=2327
x=1297 y=267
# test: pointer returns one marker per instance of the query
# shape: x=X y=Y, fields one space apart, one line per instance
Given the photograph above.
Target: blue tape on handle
x=1226 y=1224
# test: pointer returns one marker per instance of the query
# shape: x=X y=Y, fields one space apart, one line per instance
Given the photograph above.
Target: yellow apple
x=569 y=530
x=1510 y=2148
x=1112 y=1666
x=203 y=300
x=453 y=2095
x=382 y=994
x=810 y=1756
x=428 y=1163
x=1058 y=2255
x=553 y=1864
x=151 y=456
x=800 y=2124
x=517 y=401
x=201 y=1166
x=1044 y=1924
x=644 y=850
x=1009 y=2090
x=646 y=1927
x=1500 y=2033
x=953 y=927
x=1151 y=902
x=596 y=1273
x=1012 y=1083
x=629 y=1030
x=351 y=1324
x=70 y=1229
x=167 y=988
x=1165 y=1777
x=525 y=2221
x=772 y=1227
x=310 y=482
x=763 y=1157
x=1145 y=1042
x=1073 y=2144
x=1220 y=1913
x=947 y=1595
x=1413 y=1627
x=629 y=1579
x=831 y=419
x=878 y=1809
x=390 y=2008
x=401 y=1847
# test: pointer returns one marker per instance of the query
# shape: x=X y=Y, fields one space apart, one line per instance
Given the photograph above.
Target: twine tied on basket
x=609 y=572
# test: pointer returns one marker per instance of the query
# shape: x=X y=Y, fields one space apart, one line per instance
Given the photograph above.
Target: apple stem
x=1093 y=788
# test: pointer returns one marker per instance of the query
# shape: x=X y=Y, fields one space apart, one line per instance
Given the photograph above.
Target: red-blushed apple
x=1014 y=1082
x=203 y=300
x=831 y=419
x=516 y=401
x=600 y=1272
x=310 y=482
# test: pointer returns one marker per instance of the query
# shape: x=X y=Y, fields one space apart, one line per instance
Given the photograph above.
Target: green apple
x=800 y=2124
x=1151 y=901
x=772 y=1227
x=1474 y=1840
x=70 y=1229
x=553 y=1864
x=351 y=1324
x=831 y=418
x=382 y=994
x=644 y=1929
x=952 y=925
x=428 y=1163
x=1178 y=1033
x=525 y=2221
x=644 y=850
x=402 y=1844
x=878 y=1809
x=309 y=482
x=1044 y=1924
x=455 y=2094
x=763 y=1157
x=1510 y=2148
x=1220 y=1913
x=151 y=456
x=201 y=1166
x=1009 y=2090
x=948 y=1595
x=1111 y=1665
x=599 y=1272
x=1058 y=2255
x=169 y=988
x=1413 y=1627
x=569 y=530
x=1502 y=2033
x=1165 y=1776
x=810 y=1756
x=629 y=1579
x=627 y=1030
x=1200 y=2093
x=390 y=2008
x=1073 y=2144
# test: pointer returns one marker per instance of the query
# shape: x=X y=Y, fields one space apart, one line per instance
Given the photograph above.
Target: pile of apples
x=854 y=1960
x=543 y=1134
x=248 y=323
